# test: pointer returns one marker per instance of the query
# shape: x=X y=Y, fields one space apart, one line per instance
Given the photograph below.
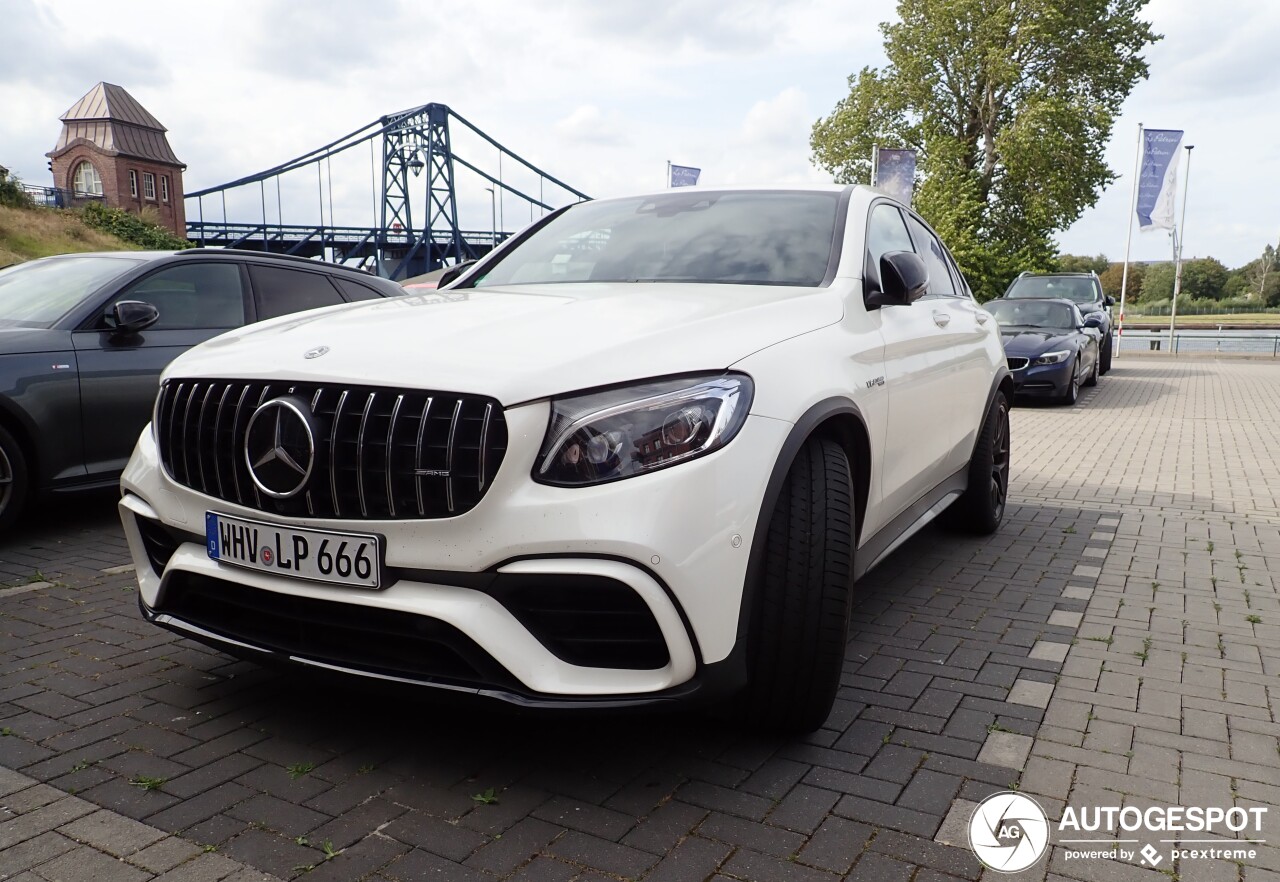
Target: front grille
x=379 y=453
x=349 y=635
x=1017 y=364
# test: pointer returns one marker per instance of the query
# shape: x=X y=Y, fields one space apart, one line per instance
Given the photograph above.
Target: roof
x=113 y=121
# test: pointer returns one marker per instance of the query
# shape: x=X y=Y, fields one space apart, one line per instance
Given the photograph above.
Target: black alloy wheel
x=980 y=509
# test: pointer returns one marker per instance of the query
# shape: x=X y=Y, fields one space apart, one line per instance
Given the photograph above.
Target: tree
x=1076 y=263
x=1009 y=107
x=1203 y=279
x=1114 y=276
x=1157 y=284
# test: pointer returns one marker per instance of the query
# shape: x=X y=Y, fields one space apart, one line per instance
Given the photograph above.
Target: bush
x=12 y=194
x=131 y=228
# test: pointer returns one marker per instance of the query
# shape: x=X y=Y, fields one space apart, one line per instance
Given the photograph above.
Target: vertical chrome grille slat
x=484 y=444
x=333 y=452
x=417 y=462
x=448 y=459
x=217 y=430
x=430 y=465
x=364 y=424
x=391 y=441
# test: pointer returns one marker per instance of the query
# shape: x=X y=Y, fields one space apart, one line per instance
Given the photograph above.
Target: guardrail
x=1204 y=340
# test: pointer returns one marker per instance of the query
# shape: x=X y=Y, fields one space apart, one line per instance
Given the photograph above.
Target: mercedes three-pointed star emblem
x=279 y=448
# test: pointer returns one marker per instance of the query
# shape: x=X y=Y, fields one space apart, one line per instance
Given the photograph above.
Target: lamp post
x=493 y=208
x=1180 y=238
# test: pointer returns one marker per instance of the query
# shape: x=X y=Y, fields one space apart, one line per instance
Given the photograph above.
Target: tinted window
x=1034 y=313
x=200 y=295
x=1078 y=289
x=37 y=294
x=935 y=259
x=355 y=291
x=283 y=291
x=745 y=237
x=885 y=232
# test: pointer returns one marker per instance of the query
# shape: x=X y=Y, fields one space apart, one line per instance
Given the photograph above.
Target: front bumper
x=673 y=546
x=1046 y=380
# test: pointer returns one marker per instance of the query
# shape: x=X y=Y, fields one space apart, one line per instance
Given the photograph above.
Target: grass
x=28 y=233
x=1159 y=322
x=148 y=783
x=297 y=770
x=489 y=797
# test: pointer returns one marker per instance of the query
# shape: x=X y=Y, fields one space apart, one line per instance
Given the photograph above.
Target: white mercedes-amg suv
x=637 y=454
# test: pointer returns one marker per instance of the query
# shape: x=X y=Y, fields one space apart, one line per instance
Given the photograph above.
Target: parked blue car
x=1052 y=349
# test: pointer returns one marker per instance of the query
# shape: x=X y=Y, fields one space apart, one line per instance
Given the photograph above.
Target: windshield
x=1075 y=289
x=744 y=237
x=37 y=294
x=1032 y=314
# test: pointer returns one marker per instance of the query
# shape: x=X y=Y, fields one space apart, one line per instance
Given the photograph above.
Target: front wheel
x=1073 y=385
x=800 y=616
x=14 y=479
x=1092 y=379
x=981 y=507
x=1105 y=356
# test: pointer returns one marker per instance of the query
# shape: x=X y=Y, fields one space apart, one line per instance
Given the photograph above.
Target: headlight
x=1054 y=357
x=607 y=436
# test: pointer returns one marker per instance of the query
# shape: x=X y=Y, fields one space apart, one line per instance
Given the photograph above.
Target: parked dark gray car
x=83 y=338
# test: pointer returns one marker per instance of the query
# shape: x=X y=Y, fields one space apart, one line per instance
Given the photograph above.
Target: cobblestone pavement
x=132 y=754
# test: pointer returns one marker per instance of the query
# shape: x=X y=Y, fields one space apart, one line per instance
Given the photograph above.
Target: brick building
x=112 y=147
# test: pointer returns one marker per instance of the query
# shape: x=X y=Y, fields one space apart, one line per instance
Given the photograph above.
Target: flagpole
x=1177 y=273
x=1128 y=240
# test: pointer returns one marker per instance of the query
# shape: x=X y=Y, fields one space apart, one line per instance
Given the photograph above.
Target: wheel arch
x=16 y=424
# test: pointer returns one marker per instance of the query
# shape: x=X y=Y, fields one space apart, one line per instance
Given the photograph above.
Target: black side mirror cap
x=1093 y=320
x=133 y=316
x=452 y=274
x=1109 y=300
x=903 y=278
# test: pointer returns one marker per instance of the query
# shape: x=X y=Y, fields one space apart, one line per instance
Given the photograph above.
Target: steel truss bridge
x=413 y=226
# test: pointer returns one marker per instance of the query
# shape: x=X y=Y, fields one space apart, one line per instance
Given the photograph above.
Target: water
x=1261 y=341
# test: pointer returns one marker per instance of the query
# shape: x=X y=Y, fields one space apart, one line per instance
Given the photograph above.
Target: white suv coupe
x=637 y=454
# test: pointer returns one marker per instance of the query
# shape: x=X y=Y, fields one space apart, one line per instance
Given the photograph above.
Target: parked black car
x=83 y=338
x=1082 y=289
x=1052 y=349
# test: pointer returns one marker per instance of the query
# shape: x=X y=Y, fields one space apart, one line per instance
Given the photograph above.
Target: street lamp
x=1179 y=239
x=493 y=208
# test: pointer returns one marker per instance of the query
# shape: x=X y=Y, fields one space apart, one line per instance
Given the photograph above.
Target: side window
x=193 y=295
x=930 y=249
x=962 y=286
x=281 y=291
x=885 y=233
x=354 y=291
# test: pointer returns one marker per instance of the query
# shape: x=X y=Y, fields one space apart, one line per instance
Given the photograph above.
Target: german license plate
x=317 y=555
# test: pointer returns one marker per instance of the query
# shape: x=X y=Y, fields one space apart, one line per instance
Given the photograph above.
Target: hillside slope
x=28 y=233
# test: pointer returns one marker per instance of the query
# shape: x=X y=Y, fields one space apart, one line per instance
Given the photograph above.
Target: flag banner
x=896 y=173
x=684 y=176
x=1158 y=178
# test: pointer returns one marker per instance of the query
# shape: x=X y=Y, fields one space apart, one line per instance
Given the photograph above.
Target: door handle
x=941 y=319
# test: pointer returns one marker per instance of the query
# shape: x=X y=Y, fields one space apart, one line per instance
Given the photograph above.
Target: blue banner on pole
x=896 y=173
x=1157 y=178
x=684 y=176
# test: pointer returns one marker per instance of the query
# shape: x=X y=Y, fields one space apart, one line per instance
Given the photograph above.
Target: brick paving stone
x=693 y=858
x=111 y=833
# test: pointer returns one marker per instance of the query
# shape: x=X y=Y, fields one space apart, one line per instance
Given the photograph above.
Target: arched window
x=87 y=182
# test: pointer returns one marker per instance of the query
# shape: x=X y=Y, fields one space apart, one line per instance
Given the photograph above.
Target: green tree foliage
x=1079 y=263
x=1009 y=106
x=1113 y=277
x=12 y=194
x=1203 y=279
x=131 y=228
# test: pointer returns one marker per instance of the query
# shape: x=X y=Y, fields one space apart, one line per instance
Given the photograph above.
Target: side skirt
x=910 y=522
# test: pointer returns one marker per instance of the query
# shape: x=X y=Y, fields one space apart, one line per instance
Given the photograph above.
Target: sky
x=599 y=93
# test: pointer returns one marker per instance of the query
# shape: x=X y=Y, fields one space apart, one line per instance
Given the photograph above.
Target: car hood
x=519 y=343
x=17 y=341
x=1025 y=341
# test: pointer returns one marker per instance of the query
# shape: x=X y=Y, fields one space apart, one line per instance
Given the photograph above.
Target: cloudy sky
x=600 y=93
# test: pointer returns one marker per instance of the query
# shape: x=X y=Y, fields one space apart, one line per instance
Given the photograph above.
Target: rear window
x=738 y=237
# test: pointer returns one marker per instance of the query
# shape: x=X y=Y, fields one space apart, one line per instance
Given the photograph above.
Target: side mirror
x=1109 y=300
x=1093 y=320
x=452 y=274
x=133 y=316
x=904 y=278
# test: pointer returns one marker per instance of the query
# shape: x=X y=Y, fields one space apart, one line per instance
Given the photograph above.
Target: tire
x=800 y=621
x=14 y=480
x=1105 y=356
x=1073 y=386
x=1092 y=379
x=980 y=509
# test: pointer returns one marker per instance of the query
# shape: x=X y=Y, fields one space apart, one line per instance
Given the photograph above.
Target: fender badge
x=315 y=353
x=61 y=367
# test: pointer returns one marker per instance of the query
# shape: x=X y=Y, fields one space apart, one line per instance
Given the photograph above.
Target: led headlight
x=620 y=433
x=1054 y=357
